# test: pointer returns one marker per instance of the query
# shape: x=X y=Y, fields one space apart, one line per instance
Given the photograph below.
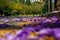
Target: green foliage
x=17 y=1
x=34 y=8
x=3 y=3
x=14 y=7
x=37 y=8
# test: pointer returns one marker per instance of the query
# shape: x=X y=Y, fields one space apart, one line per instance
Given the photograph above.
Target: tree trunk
x=50 y=5
x=1 y=12
x=55 y=4
x=58 y=4
x=23 y=1
x=28 y=2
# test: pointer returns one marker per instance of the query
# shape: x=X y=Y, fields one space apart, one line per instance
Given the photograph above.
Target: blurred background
x=29 y=20
x=28 y=7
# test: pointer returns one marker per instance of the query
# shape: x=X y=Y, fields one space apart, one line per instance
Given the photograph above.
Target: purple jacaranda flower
x=45 y=31
x=28 y=19
x=30 y=37
x=43 y=20
x=54 y=18
x=1 y=38
x=56 y=32
x=29 y=29
x=47 y=20
x=24 y=33
x=6 y=20
x=21 y=34
x=17 y=38
x=58 y=35
x=19 y=31
x=38 y=28
x=17 y=19
x=9 y=36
